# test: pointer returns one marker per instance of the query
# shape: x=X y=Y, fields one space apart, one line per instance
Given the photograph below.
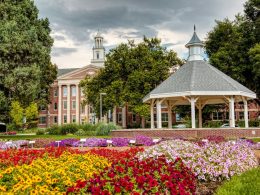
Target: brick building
x=66 y=99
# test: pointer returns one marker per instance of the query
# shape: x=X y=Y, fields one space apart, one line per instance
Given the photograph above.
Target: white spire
x=98 y=51
x=195 y=46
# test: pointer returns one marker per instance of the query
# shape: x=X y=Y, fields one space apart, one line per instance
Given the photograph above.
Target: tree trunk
x=143 y=122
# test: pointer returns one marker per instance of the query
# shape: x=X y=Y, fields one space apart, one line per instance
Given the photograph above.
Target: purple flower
x=119 y=142
x=146 y=141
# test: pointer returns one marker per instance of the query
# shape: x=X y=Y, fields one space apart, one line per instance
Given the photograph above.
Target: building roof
x=65 y=71
x=198 y=78
x=194 y=40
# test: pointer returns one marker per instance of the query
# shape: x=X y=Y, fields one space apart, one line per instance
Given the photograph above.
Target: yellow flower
x=63 y=171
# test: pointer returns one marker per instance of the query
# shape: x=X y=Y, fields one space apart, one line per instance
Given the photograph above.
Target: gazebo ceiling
x=198 y=78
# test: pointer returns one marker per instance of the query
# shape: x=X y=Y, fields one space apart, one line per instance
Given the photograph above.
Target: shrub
x=246 y=183
x=213 y=124
x=40 y=132
x=132 y=176
x=54 y=130
x=80 y=132
x=104 y=129
x=88 y=127
x=209 y=162
x=68 y=128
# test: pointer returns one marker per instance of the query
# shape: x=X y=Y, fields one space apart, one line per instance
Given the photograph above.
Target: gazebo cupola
x=197 y=83
x=195 y=46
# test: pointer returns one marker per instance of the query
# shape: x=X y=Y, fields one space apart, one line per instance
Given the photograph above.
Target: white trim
x=199 y=93
x=85 y=68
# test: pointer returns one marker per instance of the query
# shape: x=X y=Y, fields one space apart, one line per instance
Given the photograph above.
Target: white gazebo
x=197 y=83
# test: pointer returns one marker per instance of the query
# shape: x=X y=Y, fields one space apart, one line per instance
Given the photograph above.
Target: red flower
x=117 y=189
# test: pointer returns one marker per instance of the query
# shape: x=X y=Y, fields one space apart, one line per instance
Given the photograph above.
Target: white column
x=68 y=104
x=152 y=114
x=245 y=113
x=60 y=106
x=169 y=116
x=232 y=112
x=193 y=121
x=159 y=114
x=114 y=115
x=124 y=117
x=200 y=114
x=78 y=97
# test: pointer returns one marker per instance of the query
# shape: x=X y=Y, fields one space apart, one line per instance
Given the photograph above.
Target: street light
x=101 y=105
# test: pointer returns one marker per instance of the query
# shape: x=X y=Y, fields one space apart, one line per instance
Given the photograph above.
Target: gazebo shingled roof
x=198 y=83
x=198 y=78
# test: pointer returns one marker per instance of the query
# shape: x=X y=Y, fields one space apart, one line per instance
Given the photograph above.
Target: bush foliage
x=81 y=130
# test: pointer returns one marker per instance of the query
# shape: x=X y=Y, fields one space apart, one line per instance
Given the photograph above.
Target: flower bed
x=50 y=174
x=132 y=176
x=13 y=157
x=210 y=161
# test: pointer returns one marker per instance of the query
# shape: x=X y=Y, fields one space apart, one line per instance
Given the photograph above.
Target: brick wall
x=189 y=133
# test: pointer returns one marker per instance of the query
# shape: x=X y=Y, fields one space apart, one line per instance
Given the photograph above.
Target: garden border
x=189 y=132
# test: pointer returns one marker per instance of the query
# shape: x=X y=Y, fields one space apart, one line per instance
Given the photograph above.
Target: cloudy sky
x=74 y=23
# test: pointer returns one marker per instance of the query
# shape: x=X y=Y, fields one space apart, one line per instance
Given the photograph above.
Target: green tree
x=25 y=67
x=17 y=114
x=229 y=43
x=31 y=114
x=131 y=71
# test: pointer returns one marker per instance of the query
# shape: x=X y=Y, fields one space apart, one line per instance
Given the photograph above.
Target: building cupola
x=98 y=51
x=195 y=46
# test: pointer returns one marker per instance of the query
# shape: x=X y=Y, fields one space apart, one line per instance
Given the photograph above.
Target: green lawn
x=247 y=183
x=55 y=137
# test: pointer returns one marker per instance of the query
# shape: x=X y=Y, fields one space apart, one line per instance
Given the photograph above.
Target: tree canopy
x=233 y=46
x=131 y=71
x=26 y=71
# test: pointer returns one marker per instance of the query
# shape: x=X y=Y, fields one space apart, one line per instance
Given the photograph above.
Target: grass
x=245 y=184
x=55 y=137
x=256 y=139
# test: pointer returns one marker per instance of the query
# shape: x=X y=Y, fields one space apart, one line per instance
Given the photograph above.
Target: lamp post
x=101 y=105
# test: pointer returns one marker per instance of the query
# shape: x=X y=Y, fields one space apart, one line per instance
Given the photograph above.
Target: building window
x=97 y=55
x=82 y=109
x=55 y=92
x=55 y=119
x=73 y=91
x=42 y=120
x=64 y=105
x=73 y=105
x=73 y=118
x=119 y=117
x=227 y=115
x=164 y=117
x=134 y=118
x=178 y=117
x=217 y=116
x=55 y=106
x=82 y=121
x=65 y=91
x=241 y=115
x=43 y=108
x=65 y=119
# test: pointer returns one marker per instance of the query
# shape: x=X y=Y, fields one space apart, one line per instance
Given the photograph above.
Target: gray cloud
x=79 y=19
x=59 y=51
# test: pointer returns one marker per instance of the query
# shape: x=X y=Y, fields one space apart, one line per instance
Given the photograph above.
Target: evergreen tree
x=25 y=45
x=230 y=46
